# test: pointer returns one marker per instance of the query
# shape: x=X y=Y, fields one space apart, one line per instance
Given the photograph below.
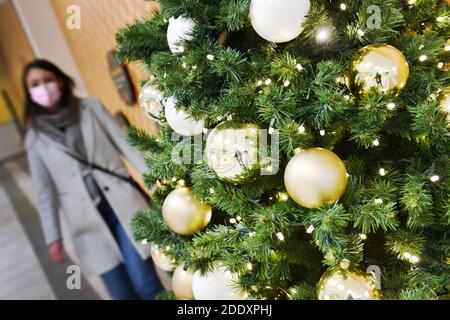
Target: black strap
x=94 y=166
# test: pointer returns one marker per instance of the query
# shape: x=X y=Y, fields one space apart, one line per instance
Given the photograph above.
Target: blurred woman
x=74 y=148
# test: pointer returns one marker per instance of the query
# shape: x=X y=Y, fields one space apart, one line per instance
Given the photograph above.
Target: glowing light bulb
x=249 y=266
x=252 y=234
x=440 y=65
x=447 y=48
x=310 y=229
x=391 y=106
x=361 y=33
x=423 y=58
x=440 y=19
x=299 y=67
x=382 y=172
x=434 y=178
x=181 y=49
x=145 y=241
x=268 y=81
x=376 y=143
x=174 y=179
x=280 y=236
x=287 y=83
x=233 y=220
x=283 y=196
x=210 y=57
x=363 y=236
x=343 y=6
x=378 y=201
x=301 y=129
x=323 y=35
x=260 y=83
x=322 y=132
x=212 y=191
x=271 y=130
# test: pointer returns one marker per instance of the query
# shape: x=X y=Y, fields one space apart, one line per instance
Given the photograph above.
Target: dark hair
x=31 y=108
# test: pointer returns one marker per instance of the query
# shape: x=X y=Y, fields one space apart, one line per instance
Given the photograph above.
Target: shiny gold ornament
x=182 y=283
x=315 y=177
x=379 y=66
x=232 y=151
x=349 y=284
x=183 y=214
x=151 y=101
x=445 y=106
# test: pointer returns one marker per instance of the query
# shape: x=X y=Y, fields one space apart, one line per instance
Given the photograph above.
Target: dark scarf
x=64 y=128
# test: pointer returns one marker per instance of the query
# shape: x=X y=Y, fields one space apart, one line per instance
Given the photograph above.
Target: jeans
x=134 y=279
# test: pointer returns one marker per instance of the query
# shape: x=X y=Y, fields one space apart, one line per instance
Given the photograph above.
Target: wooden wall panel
x=15 y=52
x=100 y=20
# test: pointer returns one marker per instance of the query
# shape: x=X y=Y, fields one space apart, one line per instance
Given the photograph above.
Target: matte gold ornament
x=445 y=106
x=232 y=151
x=348 y=284
x=151 y=101
x=160 y=258
x=379 y=66
x=182 y=283
x=183 y=214
x=315 y=177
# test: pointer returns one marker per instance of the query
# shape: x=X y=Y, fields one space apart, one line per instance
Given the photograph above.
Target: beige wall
x=15 y=52
x=100 y=20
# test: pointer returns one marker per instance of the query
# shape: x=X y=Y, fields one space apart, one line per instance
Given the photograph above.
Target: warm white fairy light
x=184 y=65
x=252 y=234
x=205 y=131
x=440 y=65
x=440 y=19
x=322 y=132
x=260 y=83
x=268 y=81
x=238 y=218
x=174 y=179
x=423 y=58
x=447 y=48
x=390 y=106
x=343 y=6
x=287 y=83
x=378 y=201
x=376 y=143
x=347 y=97
x=249 y=266
x=283 y=196
x=194 y=67
x=434 y=178
x=181 y=183
x=145 y=241
x=412 y=2
x=414 y=259
x=310 y=229
x=323 y=35
x=181 y=49
x=280 y=236
x=271 y=130
x=210 y=57
x=363 y=236
x=421 y=47
x=167 y=248
x=299 y=67
x=382 y=172
x=269 y=168
x=361 y=33
x=233 y=220
x=212 y=191
x=301 y=129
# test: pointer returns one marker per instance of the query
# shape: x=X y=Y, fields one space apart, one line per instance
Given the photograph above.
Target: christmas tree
x=303 y=150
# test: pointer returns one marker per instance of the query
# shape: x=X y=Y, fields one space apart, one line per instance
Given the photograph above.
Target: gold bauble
x=160 y=258
x=232 y=151
x=151 y=101
x=183 y=214
x=379 y=66
x=182 y=283
x=314 y=177
x=445 y=106
x=348 y=284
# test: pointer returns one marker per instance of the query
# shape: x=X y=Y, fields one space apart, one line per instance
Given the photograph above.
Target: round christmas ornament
x=232 y=151
x=445 y=106
x=160 y=259
x=379 y=66
x=183 y=214
x=179 y=29
x=180 y=122
x=347 y=284
x=151 y=101
x=278 y=21
x=182 y=283
x=315 y=177
x=216 y=285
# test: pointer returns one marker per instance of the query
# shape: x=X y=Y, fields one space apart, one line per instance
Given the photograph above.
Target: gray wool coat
x=59 y=185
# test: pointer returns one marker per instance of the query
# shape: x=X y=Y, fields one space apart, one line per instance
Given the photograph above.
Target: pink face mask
x=46 y=95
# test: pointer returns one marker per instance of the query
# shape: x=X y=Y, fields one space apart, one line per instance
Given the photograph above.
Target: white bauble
x=179 y=29
x=180 y=122
x=278 y=20
x=216 y=285
x=160 y=259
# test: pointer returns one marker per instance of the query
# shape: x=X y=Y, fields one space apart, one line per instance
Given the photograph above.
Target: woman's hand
x=57 y=252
